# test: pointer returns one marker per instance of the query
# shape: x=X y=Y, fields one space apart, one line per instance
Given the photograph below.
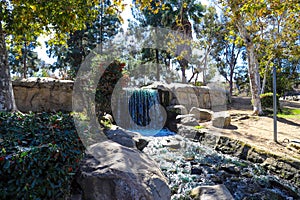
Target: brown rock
x=112 y=171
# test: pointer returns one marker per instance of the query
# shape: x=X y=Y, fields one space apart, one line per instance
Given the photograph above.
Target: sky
x=41 y=50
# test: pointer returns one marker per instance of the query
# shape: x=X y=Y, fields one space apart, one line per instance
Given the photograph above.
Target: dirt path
x=258 y=130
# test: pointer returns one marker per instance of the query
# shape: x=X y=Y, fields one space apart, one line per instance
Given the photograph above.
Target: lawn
x=289 y=113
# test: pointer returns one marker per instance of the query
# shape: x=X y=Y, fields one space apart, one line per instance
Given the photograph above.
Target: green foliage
x=199 y=83
x=107 y=84
x=267 y=100
x=23 y=59
x=290 y=113
x=82 y=42
x=286 y=76
x=199 y=127
x=39 y=155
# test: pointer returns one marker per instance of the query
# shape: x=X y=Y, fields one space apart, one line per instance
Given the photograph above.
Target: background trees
x=25 y=20
x=268 y=31
x=81 y=42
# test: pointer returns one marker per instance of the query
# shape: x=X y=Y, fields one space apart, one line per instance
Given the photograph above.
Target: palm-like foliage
x=179 y=16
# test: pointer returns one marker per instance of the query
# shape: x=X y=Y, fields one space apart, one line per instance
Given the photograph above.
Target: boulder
x=201 y=114
x=221 y=119
x=187 y=131
x=171 y=143
x=113 y=171
x=211 y=192
x=218 y=97
x=126 y=138
x=172 y=113
x=188 y=120
x=179 y=109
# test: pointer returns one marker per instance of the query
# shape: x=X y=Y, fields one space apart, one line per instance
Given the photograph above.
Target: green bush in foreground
x=39 y=155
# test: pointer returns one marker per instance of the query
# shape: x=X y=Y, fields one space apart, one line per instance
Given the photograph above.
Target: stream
x=187 y=165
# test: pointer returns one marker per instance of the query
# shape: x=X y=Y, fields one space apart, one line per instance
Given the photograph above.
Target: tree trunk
x=231 y=82
x=265 y=77
x=253 y=68
x=264 y=81
x=25 y=61
x=157 y=65
x=254 y=79
x=7 y=101
x=183 y=75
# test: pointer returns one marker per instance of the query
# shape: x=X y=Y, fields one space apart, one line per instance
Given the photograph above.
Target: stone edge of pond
x=285 y=167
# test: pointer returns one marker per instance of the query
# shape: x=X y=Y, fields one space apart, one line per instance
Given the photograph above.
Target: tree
x=23 y=59
x=226 y=52
x=208 y=34
x=239 y=20
x=179 y=16
x=153 y=18
x=254 y=20
x=31 y=19
x=82 y=42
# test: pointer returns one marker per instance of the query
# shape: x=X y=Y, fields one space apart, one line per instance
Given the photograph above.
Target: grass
x=289 y=113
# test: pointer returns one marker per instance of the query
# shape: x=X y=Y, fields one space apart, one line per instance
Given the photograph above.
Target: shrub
x=39 y=155
x=267 y=100
x=106 y=85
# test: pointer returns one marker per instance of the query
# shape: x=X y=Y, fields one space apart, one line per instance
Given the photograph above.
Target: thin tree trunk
x=157 y=57
x=264 y=81
x=157 y=65
x=231 y=82
x=194 y=73
x=24 y=61
x=183 y=74
x=265 y=77
x=7 y=101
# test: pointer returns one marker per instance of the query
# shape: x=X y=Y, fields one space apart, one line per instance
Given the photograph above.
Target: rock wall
x=48 y=94
x=208 y=97
x=43 y=94
x=284 y=167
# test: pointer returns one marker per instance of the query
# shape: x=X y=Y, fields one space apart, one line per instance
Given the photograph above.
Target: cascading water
x=139 y=110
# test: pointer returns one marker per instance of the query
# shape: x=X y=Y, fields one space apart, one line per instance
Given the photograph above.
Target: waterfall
x=140 y=110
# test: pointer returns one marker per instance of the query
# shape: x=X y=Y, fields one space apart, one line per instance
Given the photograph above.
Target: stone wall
x=48 y=94
x=43 y=94
x=211 y=97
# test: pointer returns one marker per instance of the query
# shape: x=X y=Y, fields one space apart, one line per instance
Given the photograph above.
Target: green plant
x=290 y=113
x=106 y=85
x=199 y=127
x=267 y=100
x=39 y=155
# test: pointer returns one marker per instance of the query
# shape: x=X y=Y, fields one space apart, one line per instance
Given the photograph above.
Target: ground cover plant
x=39 y=155
x=290 y=113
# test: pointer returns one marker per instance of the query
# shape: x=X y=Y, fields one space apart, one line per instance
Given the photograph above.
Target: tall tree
x=33 y=18
x=254 y=20
x=23 y=59
x=209 y=33
x=179 y=16
x=226 y=51
x=153 y=17
x=81 y=42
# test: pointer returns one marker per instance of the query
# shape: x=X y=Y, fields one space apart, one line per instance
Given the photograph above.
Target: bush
x=267 y=100
x=39 y=155
x=106 y=85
